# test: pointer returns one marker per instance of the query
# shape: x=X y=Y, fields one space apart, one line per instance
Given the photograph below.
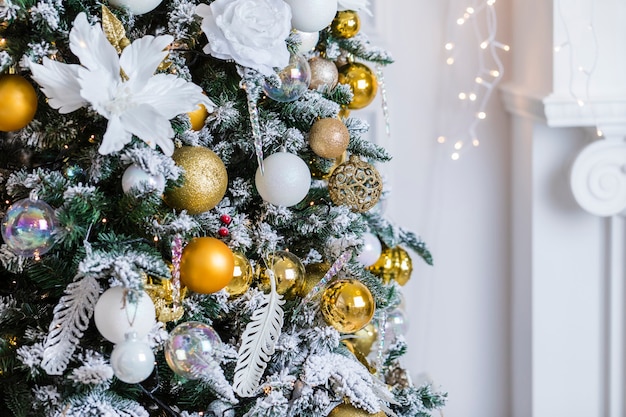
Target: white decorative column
x=568 y=196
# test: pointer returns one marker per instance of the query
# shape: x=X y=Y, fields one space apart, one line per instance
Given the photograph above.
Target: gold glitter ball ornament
x=242 y=276
x=346 y=24
x=288 y=271
x=329 y=138
x=393 y=264
x=323 y=73
x=348 y=410
x=356 y=184
x=347 y=305
x=205 y=180
x=362 y=82
x=18 y=102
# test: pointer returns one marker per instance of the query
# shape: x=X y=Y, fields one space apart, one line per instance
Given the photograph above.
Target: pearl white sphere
x=135 y=175
x=286 y=179
x=371 y=250
x=115 y=316
x=312 y=15
x=132 y=360
x=137 y=6
x=309 y=41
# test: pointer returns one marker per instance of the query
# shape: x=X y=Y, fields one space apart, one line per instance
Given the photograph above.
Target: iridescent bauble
x=362 y=82
x=205 y=180
x=348 y=410
x=28 y=227
x=312 y=15
x=191 y=348
x=132 y=360
x=285 y=181
x=18 y=102
x=206 y=265
x=371 y=250
x=137 y=6
x=119 y=311
x=294 y=80
x=134 y=176
x=288 y=272
x=198 y=117
x=347 y=305
x=313 y=274
x=393 y=264
x=396 y=325
x=346 y=24
x=324 y=73
x=242 y=276
x=329 y=138
x=309 y=41
x=355 y=184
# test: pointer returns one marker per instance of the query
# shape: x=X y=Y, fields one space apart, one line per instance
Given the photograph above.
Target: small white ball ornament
x=137 y=7
x=115 y=315
x=309 y=41
x=286 y=179
x=132 y=360
x=312 y=15
x=135 y=175
x=371 y=251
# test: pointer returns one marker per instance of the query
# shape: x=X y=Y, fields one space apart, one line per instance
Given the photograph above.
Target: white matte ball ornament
x=371 y=251
x=137 y=7
x=286 y=179
x=309 y=41
x=115 y=316
x=135 y=175
x=132 y=360
x=312 y=15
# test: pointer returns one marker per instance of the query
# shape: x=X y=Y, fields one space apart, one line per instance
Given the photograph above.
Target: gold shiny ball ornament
x=206 y=265
x=198 y=117
x=18 y=102
x=346 y=24
x=314 y=273
x=323 y=73
x=355 y=184
x=348 y=410
x=393 y=264
x=242 y=276
x=362 y=82
x=347 y=305
x=288 y=272
x=205 y=180
x=329 y=138
x=364 y=339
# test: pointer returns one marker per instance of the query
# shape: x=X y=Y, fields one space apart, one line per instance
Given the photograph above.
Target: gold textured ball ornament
x=393 y=264
x=206 y=265
x=348 y=410
x=346 y=24
x=347 y=305
x=198 y=117
x=242 y=276
x=356 y=184
x=288 y=271
x=362 y=82
x=323 y=73
x=205 y=180
x=329 y=138
x=18 y=102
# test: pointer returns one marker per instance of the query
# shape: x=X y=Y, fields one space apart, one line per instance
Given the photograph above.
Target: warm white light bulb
x=449 y=46
x=472 y=97
x=484 y=44
x=494 y=73
x=481 y=115
x=441 y=139
x=478 y=80
x=458 y=145
x=455 y=156
x=450 y=61
x=475 y=142
x=470 y=10
x=462 y=96
x=460 y=21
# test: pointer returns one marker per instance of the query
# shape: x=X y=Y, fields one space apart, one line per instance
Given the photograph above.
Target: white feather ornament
x=258 y=342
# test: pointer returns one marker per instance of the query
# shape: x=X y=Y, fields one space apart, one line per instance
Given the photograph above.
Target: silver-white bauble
x=132 y=360
x=286 y=179
x=312 y=15
x=309 y=41
x=137 y=7
x=135 y=175
x=115 y=315
x=371 y=250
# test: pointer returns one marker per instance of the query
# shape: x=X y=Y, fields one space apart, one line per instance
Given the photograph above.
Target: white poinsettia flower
x=356 y=5
x=124 y=89
x=250 y=32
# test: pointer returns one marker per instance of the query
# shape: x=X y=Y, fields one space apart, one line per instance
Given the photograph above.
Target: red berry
x=223 y=232
x=226 y=219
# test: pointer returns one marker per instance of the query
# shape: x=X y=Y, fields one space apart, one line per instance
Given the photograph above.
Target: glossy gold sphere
x=348 y=410
x=18 y=102
x=207 y=265
x=329 y=138
x=364 y=339
x=362 y=82
x=198 y=116
x=242 y=276
x=393 y=264
x=347 y=305
x=346 y=24
x=288 y=271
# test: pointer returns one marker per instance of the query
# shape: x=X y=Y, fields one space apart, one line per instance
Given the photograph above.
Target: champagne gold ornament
x=161 y=291
x=348 y=410
x=242 y=276
x=362 y=82
x=18 y=102
x=288 y=272
x=323 y=73
x=356 y=184
x=207 y=265
x=313 y=274
x=205 y=180
x=393 y=264
x=329 y=138
x=346 y=24
x=347 y=305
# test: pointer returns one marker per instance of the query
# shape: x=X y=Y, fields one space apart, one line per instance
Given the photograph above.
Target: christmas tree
x=192 y=222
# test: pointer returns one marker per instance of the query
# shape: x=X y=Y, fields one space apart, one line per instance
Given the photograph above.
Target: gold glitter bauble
x=364 y=339
x=323 y=73
x=18 y=102
x=313 y=274
x=288 y=271
x=362 y=82
x=393 y=264
x=329 y=138
x=348 y=410
x=355 y=184
x=197 y=117
x=346 y=24
x=242 y=276
x=347 y=305
x=205 y=180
